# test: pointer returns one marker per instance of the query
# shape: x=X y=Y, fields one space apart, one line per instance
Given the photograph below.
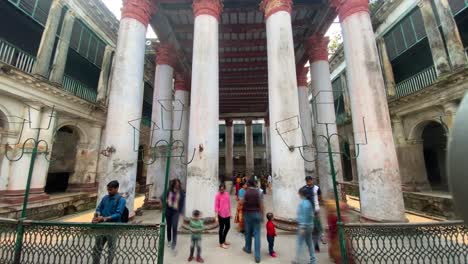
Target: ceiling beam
x=237 y=28
x=232 y=43
x=243 y=64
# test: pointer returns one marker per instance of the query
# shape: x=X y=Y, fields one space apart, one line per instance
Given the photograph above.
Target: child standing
x=271 y=233
x=196 y=226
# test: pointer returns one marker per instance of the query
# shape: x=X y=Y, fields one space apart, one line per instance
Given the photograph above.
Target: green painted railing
x=12 y=55
x=67 y=243
x=416 y=82
x=428 y=243
x=79 y=89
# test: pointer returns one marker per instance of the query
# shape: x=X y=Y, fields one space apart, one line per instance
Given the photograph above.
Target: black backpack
x=125 y=213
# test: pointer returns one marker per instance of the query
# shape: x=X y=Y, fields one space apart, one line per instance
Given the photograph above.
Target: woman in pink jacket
x=223 y=214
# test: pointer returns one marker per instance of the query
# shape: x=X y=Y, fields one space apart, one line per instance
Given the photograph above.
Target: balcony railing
x=416 y=82
x=15 y=57
x=79 y=89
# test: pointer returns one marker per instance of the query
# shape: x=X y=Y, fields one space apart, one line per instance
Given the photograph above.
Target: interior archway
x=434 y=147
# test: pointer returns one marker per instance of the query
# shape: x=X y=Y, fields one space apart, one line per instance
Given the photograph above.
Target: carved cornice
x=317 y=48
x=141 y=10
x=207 y=7
x=301 y=73
x=181 y=82
x=166 y=54
x=346 y=8
x=269 y=7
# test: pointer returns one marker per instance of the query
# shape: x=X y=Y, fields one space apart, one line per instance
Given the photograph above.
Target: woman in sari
x=239 y=216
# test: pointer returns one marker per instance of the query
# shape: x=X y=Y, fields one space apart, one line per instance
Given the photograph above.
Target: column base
x=209 y=222
x=414 y=187
x=82 y=187
x=152 y=204
x=367 y=219
x=17 y=196
x=286 y=224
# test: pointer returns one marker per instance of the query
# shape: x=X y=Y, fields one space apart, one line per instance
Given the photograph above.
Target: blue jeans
x=307 y=238
x=252 y=228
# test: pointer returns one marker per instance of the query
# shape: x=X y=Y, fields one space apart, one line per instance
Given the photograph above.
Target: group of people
x=249 y=217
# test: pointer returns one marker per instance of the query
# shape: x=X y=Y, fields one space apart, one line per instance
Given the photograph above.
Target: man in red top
x=271 y=233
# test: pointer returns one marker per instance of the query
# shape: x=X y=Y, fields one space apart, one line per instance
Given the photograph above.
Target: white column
x=125 y=100
x=104 y=75
x=324 y=110
x=379 y=176
x=44 y=54
x=268 y=143
x=202 y=173
x=287 y=166
x=229 y=148
x=162 y=117
x=61 y=53
x=249 y=149
x=181 y=126
x=306 y=121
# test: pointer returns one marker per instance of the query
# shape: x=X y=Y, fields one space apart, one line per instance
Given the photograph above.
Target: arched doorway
x=434 y=147
x=63 y=159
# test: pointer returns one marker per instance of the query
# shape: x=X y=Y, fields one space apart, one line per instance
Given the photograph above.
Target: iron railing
x=79 y=89
x=73 y=243
x=427 y=243
x=416 y=82
x=12 y=55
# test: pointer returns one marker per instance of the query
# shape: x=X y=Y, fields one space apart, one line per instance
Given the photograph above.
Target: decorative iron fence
x=438 y=243
x=84 y=243
x=416 y=82
x=14 y=56
x=79 y=89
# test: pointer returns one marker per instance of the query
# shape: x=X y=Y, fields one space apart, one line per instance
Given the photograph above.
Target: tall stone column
x=202 y=173
x=162 y=100
x=249 y=149
x=126 y=100
x=104 y=75
x=287 y=166
x=387 y=68
x=19 y=169
x=306 y=121
x=229 y=148
x=60 y=60
x=452 y=36
x=268 y=144
x=325 y=118
x=181 y=126
x=441 y=61
x=379 y=176
x=44 y=54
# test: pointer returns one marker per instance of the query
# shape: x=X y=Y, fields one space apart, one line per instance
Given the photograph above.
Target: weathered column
x=387 y=68
x=126 y=100
x=325 y=118
x=162 y=100
x=181 y=128
x=268 y=144
x=249 y=149
x=379 y=177
x=306 y=121
x=202 y=173
x=411 y=159
x=441 y=61
x=61 y=53
x=287 y=166
x=452 y=36
x=229 y=148
x=346 y=100
x=44 y=54
x=19 y=169
x=104 y=75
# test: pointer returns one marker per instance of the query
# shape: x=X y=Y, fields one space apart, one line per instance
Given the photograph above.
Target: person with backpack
x=313 y=193
x=112 y=208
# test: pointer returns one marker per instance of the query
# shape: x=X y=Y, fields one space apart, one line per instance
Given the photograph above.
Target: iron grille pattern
x=427 y=243
x=78 y=243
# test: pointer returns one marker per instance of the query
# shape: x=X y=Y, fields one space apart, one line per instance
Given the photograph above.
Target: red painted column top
x=248 y=122
x=229 y=122
x=301 y=73
x=141 y=10
x=181 y=83
x=269 y=7
x=346 y=8
x=317 y=48
x=166 y=54
x=207 y=7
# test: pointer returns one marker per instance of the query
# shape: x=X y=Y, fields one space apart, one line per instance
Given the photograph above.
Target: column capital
x=180 y=82
x=346 y=8
x=301 y=73
x=317 y=48
x=166 y=54
x=207 y=7
x=248 y=122
x=229 y=122
x=141 y=10
x=269 y=7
